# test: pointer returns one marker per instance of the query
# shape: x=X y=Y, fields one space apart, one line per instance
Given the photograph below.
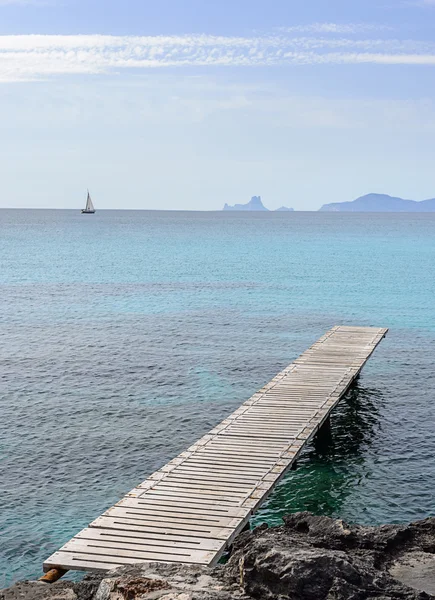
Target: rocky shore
x=308 y=558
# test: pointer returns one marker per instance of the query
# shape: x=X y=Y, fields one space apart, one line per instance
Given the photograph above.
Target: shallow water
x=126 y=335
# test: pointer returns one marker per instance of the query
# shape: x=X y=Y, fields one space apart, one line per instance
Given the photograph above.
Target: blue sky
x=188 y=104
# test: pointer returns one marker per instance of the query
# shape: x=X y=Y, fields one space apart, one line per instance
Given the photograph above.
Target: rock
x=318 y=558
x=308 y=558
x=157 y=581
x=36 y=590
x=61 y=590
x=415 y=569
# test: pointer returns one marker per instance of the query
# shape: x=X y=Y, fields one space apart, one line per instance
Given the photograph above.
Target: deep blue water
x=127 y=335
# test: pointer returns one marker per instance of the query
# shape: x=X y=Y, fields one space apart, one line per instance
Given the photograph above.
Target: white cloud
x=418 y=3
x=27 y=57
x=336 y=28
x=26 y=2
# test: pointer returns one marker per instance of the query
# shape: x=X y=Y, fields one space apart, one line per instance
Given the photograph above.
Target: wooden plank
x=167 y=531
x=190 y=509
x=208 y=490
x=182 y=502
x=206 y=499
x=180 y=520
x=137 y=547
x=246 y=471
x=104 y=537
x=175 y=509
x=190 y=475
x=213 y=455
x=161 y=553
x=206 y=485
x=104 y=561
x=174 y=503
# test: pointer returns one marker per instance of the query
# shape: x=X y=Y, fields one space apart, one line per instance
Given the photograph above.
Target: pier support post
x=324 y=435
x=325 y=429
x=53 y=575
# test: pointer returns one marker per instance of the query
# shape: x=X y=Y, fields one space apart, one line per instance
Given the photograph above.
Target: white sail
x=89 y=205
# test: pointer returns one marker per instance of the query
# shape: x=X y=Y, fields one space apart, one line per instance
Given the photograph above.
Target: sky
x=188 y=104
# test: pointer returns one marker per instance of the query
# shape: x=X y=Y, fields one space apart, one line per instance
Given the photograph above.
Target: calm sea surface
x=127 y=335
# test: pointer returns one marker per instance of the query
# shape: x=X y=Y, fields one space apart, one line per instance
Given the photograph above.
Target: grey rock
x=36 y=590
x=308 y=558
x=157 y=581
x=415 y=569
x=317 y=558
x=61 y=590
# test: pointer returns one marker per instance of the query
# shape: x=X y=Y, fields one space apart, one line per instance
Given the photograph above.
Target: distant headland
x=368 y=203
x=381 y=203
x=255 y=203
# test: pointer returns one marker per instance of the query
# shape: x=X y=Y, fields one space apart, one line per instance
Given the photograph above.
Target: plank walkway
x=191 y=509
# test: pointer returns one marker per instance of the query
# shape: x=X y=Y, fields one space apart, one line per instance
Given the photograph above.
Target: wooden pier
x=192 y=508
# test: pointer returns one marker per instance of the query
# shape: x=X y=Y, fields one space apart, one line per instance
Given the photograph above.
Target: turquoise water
x=127 y=335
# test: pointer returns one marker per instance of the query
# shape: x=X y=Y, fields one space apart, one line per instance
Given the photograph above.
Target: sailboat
x=89 y=208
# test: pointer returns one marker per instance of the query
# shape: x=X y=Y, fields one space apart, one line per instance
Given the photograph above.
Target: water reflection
x=329 y=467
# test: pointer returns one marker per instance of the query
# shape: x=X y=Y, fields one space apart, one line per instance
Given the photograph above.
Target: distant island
x=255 y=203
x=368 y=203
x=381 y=203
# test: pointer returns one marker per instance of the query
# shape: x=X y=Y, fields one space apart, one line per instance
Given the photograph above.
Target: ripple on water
x=142 y=331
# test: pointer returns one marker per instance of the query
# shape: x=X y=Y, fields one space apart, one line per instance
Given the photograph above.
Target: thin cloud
x=348 y=28
x=26 y=2
x=27 y=57
x=418 y=3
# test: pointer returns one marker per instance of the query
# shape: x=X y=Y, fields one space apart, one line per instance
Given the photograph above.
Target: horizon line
x=157 y=209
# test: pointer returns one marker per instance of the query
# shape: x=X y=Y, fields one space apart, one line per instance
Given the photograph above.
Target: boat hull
x=88 y=212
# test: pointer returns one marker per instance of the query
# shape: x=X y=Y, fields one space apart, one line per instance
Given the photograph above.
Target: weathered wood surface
x=191 y=509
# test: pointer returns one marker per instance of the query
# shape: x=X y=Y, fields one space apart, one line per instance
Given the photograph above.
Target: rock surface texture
x=308 y=558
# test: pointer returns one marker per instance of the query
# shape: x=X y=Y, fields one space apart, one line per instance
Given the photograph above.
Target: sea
x=126 y=335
